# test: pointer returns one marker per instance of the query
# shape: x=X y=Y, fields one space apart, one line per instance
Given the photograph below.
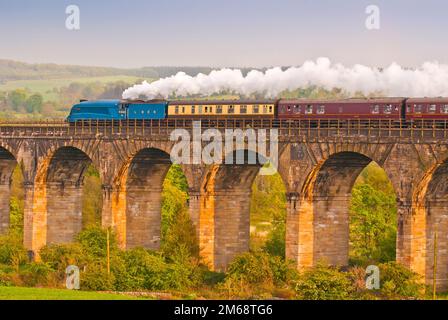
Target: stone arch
x=136 y=204
x=57 y=201
x=321 y=231
x=7 y=164
x=429 y=215
x=224 y=218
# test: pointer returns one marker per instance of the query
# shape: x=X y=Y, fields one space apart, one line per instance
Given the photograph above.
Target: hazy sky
x=135 y=33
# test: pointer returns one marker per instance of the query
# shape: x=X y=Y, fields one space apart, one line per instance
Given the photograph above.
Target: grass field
x=45 y=87
x=20 y=293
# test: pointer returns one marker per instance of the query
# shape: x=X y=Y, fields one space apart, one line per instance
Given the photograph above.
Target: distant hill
x=13 y=70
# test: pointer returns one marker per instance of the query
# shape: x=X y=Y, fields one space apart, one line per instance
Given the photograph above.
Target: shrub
x=93 y=241
x=252 y=267
x=95 y=277
x=37 y=274
x=143 y=270
x=275 y=245
x=283 y=271
x=396 y=281
x=324 y=283
x=12 y=251
x=60 y=256
x=181 y=232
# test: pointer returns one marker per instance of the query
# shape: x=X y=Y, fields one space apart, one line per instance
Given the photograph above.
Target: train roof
x=340 y=101
x=99 y=103
x=428 y=100
x=215 y=102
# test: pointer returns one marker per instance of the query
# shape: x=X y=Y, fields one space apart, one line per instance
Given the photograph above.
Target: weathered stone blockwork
x=318 y=174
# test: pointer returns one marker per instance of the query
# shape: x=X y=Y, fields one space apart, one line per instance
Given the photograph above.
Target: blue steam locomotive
x=118 y=110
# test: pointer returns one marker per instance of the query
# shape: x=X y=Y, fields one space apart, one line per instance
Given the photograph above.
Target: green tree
x=92 y=199
x=373 y=218
x=268 y=214
x=17 y=99
x=34 y=103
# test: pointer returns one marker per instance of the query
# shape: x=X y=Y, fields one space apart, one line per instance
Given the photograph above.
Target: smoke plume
x=430 y=79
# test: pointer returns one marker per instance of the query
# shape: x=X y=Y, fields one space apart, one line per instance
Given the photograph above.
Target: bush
x=93 y=241
x=252 y=267
x=396 y=281
x=324 y=283
x=12 y=251
x=38 y=274
x=95 y=277
x=143 y=270
x=254 y=275
x=60 y=256
x=275 y=245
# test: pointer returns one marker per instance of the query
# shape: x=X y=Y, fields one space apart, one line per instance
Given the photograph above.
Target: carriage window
x=231 y=109
x=297 y=109
x=193 y=109
x=408 y=108
x=321 y=109
x=432 y=108
x=176 y=109
x=243 y=109
x=211 y=109
x=183 y=109
x=199 y=109
x=309 y=109
x=289 y=108
x=265 y=109
x=255 y=108
x=270 y=109
x=218 y=109
x=206 y=109
x=418 y=108
x=387 y=109
x=375 y=109
x=444 y=108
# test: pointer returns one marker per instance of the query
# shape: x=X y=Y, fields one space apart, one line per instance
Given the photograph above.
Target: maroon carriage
x=372 y=108
x=427 y=108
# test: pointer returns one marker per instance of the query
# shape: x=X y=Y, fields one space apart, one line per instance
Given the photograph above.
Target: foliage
x=275 y=244
x=268 y=214
x=93 y=241
x=12 y=251
x=256 y=274
x=399 y=282
x=174 y=197
x=92 y=198
x=60 y=256
x=38 y=274
x=324 y=283
x=177 y=228
x=373 y=218
x=95 y=277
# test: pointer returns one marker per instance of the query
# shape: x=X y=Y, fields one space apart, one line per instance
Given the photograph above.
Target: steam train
x=407 y=109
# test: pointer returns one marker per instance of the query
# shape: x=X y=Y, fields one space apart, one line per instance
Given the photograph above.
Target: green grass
x=45 y=87
x=20 y=293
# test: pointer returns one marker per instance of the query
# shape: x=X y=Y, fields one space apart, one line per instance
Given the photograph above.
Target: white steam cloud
x=430 y=80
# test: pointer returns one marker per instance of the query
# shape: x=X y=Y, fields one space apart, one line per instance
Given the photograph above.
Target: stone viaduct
x=318 y=166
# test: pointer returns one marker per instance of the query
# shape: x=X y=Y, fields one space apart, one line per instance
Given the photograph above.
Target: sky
x=223 y=33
